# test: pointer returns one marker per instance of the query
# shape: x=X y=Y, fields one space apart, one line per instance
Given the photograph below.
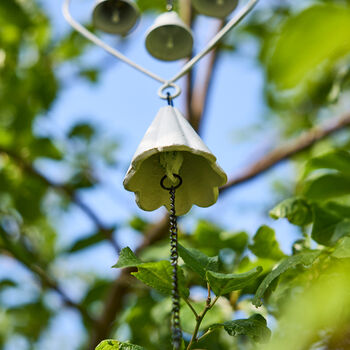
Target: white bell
x=171 y=146
x=115 y=16
x=215 y=8
x=169 y=38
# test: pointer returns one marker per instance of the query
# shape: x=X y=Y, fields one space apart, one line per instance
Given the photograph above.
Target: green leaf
x=197 y=261
x=127 y=259
x=336 y=160
x=44 y=147
x=325 y=223
x=87 y=242
x=90 y=74
x=305 y=259
x=302 y=48
x=117 y=345
x=210 y=239
x=265 y=245
x=296 y=210
x=158 y=275
x=342 y=229
x=82 y=130
x=138 y=224
x=342 y=249
x=254 y=327
x=222 y=283
x=326 y=186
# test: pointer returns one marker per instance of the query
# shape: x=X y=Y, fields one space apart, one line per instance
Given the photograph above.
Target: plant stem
x=191 y=307
x=200 y=318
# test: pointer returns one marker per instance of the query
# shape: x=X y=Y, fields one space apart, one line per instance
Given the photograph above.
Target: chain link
x=174 y=256
x=170 y=5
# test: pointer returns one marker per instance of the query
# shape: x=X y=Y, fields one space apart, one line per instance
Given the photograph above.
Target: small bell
x=115 y=16
x=172 y=154
x=215 y=8
x=169 y=39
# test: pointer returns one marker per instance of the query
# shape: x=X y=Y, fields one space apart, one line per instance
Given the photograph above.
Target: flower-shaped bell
x=171 y=150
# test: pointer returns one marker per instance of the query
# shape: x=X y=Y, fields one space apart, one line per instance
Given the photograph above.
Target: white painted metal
x=97 y=41
x=169 y=38
x=230 y=25
x=169 y=134
x=187 y=67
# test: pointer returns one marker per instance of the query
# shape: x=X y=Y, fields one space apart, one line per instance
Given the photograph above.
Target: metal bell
x=215 y=8
x=169 y=39
x=115 y=16
x=172 y=147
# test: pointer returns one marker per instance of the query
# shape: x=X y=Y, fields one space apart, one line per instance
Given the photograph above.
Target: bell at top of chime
x=171 y=153
x=115 y=16
x=169 y=38
x=215 y=8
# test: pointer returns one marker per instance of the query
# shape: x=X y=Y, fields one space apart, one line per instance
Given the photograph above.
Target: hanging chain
x=170 y=5
x=176 y=330
x=174 y=256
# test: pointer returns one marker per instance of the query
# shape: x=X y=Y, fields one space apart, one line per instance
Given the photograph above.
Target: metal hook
x=172 y=187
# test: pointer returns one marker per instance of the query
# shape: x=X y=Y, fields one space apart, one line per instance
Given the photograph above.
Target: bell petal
x=201 y=176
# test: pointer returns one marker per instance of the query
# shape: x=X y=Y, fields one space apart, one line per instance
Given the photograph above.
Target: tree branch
x=283 y=152
x=197 y=97
x=45 y=279
x=123 y=285
x=29 y=169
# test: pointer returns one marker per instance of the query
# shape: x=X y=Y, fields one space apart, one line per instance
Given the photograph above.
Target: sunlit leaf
x=296 y=210
x=265 y=244
x=127 y=259
x=117 y=345
x=222 y=283
x=305 y=259
x=319 y=35
x=254 y=327
x=158 y=275
x=198 y=261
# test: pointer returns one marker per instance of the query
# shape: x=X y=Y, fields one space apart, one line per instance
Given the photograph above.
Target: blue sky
x=123 y=104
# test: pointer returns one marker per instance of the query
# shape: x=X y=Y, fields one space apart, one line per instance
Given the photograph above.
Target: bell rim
x=198 y=6
x=136 y=18
x=176 y=21
x=167 y=58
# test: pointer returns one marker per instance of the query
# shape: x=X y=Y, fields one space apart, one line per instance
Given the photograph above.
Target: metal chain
x=170 y=5
x=174 y=256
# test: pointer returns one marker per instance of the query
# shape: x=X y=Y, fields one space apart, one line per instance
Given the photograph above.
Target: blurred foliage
x=303 y=48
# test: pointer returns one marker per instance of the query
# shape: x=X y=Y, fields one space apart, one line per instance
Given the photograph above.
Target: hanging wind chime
x=172 y=166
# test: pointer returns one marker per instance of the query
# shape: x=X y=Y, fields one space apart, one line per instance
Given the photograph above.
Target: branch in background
x=44 y=277
x=283 y=152
x=123 y=285
x=197 y=98
x=29 y=169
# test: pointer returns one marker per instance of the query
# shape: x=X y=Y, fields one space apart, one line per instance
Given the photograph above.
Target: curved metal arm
x=92 y=37
x=185 y=69
x=229 y=26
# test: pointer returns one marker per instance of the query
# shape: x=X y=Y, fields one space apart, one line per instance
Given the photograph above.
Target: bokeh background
x=71 y=118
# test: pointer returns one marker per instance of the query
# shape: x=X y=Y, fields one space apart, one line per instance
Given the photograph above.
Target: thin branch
x=191 y=307
x=123 y=285
x=197 y=100
x=200 y=318
x=29 y=169
x=44 y=277
x=283 y=152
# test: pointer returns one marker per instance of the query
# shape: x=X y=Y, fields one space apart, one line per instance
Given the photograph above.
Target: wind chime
x=172 y=166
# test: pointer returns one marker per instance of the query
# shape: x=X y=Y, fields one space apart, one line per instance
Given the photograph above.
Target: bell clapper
x=174 y=256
